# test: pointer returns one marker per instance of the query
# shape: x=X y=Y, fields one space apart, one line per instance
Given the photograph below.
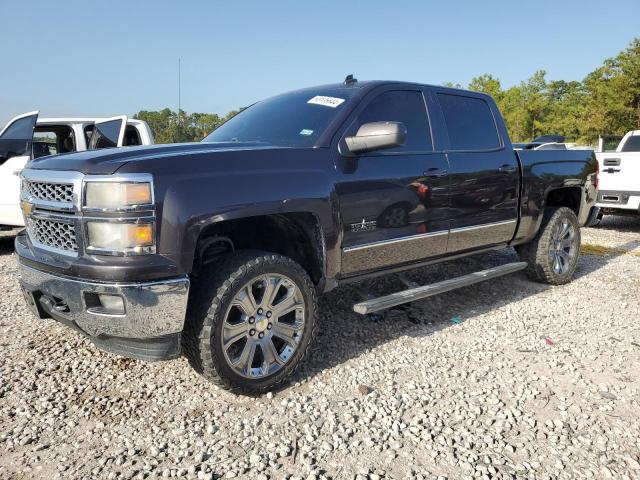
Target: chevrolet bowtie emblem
x=26 y=207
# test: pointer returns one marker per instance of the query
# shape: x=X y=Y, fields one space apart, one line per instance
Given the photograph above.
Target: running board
x=418 y=293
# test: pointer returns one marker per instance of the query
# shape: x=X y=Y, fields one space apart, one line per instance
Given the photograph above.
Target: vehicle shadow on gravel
x=620 y=224
x=344 y=335
x=6 y=242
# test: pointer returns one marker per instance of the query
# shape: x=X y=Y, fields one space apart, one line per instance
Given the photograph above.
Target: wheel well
x=565 y=197
x=295 y=235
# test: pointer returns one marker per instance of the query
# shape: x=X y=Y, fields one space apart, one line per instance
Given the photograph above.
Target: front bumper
x=149 y=329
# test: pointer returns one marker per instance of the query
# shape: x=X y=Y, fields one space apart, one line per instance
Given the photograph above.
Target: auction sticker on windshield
x=332 y=102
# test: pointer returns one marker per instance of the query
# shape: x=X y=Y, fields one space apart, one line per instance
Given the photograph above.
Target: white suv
x=27 y=136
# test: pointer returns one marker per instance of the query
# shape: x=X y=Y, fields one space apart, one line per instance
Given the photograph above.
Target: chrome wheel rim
x=263 y=326
x=563 y=247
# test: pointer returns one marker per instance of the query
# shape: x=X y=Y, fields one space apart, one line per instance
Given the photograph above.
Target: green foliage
x=168 y=128
x=607 y=101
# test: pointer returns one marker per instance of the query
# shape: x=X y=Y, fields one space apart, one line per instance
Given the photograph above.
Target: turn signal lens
x=143 y=234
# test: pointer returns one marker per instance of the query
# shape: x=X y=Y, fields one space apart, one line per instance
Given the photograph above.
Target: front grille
x=52 y=234
x=52 y=192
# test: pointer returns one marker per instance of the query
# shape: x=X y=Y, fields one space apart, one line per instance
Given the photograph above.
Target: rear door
x=484 y=173
x=108 y=133
x=16 y=140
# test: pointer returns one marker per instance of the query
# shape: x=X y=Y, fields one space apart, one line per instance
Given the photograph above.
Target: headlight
x=117 y=195
x=120 y=238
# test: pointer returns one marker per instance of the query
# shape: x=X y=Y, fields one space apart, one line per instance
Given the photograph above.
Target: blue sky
x=118 y=57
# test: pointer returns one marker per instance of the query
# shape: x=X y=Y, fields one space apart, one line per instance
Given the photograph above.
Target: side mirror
x=377 y=136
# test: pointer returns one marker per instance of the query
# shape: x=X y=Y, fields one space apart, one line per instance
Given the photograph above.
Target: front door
x=393 y=203
x=16 y=141
x=484 y=175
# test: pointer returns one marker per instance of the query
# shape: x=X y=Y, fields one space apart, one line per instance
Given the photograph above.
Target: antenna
x=178 y=91
x=349 y=80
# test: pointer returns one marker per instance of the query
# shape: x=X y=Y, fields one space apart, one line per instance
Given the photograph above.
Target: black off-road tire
x=212 y=293
x=536 y=252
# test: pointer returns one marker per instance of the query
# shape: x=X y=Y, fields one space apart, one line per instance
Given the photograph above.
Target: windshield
x=294 y=119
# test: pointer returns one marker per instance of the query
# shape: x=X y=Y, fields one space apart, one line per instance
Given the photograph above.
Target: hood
x=107 y=161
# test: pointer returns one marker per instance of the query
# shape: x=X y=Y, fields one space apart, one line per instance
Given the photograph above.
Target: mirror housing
x=377 y=136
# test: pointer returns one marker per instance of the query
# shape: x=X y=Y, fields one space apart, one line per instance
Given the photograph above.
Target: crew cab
x=619 y=179
x=219 y=249
x=28 y=136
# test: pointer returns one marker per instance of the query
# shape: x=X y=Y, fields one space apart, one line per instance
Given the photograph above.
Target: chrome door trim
x=484 y=225
x=424 y=235
x=394 y=240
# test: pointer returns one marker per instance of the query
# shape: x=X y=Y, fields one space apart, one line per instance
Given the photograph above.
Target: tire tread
x=536 y=251
x=216 y=283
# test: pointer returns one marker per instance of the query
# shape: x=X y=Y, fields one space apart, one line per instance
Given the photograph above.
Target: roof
x=79 y=120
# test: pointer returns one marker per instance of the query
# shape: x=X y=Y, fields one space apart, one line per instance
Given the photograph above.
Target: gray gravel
x=507 y=379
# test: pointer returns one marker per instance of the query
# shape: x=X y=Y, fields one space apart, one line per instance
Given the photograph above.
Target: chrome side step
x=418 y=293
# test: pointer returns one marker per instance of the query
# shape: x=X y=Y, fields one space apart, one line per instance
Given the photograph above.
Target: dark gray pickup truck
x=219 y=249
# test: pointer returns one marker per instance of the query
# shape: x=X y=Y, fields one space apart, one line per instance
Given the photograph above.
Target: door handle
x=507 y=169
x=435 y=173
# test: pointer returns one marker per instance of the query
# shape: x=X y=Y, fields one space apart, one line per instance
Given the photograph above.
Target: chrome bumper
x=152 y=309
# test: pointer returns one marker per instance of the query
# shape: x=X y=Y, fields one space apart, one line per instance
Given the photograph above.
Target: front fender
x=191 y=205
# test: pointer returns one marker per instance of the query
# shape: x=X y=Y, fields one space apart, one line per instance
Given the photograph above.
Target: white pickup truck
x=28 y=136
x=619 y=178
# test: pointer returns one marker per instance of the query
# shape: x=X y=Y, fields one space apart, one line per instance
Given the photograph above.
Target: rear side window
x=632 y=144
x=131 y=137
x=401 y=106
x=469 y=122
x=53 y=139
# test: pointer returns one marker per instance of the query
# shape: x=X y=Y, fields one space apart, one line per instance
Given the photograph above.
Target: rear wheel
x=552 y=256
x=251 y=321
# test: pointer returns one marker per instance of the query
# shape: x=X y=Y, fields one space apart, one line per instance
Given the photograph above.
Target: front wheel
x=251 y=321
x=552 y=256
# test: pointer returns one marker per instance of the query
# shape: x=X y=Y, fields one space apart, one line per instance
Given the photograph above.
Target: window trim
x=365 y=102
x=501 y=144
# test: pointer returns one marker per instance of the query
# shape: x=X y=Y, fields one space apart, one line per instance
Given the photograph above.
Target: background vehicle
x=549 y=142
x=619 y=179
x=219 y=248
x=28 y=136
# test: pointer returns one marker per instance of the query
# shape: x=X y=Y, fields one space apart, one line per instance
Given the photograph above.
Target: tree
x=613 y=95
x=487 y=83
x=191 y=128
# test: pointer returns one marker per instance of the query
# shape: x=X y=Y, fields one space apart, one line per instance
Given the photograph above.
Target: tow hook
x=55 y=304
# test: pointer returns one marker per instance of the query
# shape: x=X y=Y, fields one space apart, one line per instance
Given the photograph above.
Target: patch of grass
x=591 y=249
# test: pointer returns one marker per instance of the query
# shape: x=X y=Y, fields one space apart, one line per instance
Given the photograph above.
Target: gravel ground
x=506 y=379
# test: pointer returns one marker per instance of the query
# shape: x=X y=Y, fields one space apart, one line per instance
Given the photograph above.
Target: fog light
x=112 y=304
x=104 y=304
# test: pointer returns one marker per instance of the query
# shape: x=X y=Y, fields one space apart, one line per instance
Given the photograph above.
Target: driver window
x=16 y=139
x=406 y=106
